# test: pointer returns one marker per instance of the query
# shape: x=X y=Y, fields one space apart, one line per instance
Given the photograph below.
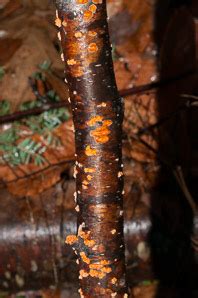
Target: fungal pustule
x=78 y=34
x=89 y=151
x=113 y=231
x=93 y=8
x=92 y=47
x=89 y=170
x=97 y=1
x=87 y=16
x=58 y=22
x=84 y=258
x=114 y=280
x=71 y=61
x=71 y=239
x=64 y=23
x=83 y=274
x=82 y=1
x=102 y=105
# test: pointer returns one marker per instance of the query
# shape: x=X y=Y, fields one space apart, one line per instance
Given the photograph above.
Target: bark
x=34 y=256
x=33 y=253
x=98 y=115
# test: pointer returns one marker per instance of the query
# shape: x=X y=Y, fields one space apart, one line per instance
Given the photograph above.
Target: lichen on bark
x=97 y=115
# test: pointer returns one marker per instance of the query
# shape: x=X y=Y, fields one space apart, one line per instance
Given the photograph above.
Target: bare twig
x=30 y=175
x=178 y=173
x=124 y=93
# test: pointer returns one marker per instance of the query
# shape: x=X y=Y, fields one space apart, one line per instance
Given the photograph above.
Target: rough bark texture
x=97 y=114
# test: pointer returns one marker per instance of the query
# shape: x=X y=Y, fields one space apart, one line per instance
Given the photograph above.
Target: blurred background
x=155 y=51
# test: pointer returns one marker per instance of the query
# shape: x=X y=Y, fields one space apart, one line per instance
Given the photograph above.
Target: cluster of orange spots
x=84 y=184
x=89 y=170
x=101 y=134
x=88 y=14
x=90 y=151
x=92 y=47
x=83 y=274
x=71 y=239
x=84 y=258
x=114 y=280
x=97 y=274
x=78 y=34
x=98 y=270
x=71 y=62
x=89 y=243
x=86 y=237
x=94 y=120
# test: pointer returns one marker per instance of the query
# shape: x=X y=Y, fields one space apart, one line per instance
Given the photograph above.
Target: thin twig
x=124 y=93
x=163 y=120
x=178 y=173
x=38 y=172
x=31 y=112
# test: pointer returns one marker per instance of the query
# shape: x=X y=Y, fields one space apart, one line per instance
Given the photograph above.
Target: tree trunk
x=97 y=114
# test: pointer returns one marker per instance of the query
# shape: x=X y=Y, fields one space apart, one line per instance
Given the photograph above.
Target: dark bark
x=33 y=253
x=97 y=114
x=34 y=256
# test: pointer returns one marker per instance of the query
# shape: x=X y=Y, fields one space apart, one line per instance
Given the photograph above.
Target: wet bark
x=97 y=114
x=32 y=249
x=34 y=255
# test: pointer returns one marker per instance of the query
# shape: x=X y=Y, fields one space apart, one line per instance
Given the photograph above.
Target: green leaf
x=45 y=65
x=52 y=96
x=30 y=105
x=2 y=72
x=38 y=76
x=146 y=282
x=4 y=294
x=39 y=160
x=4 y=107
